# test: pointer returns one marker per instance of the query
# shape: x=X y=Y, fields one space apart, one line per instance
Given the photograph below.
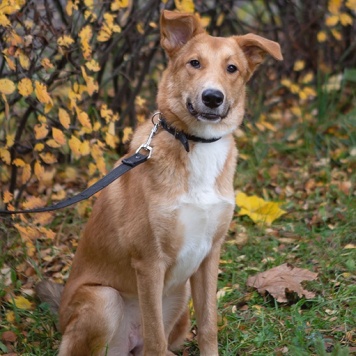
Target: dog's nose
x=212 y=98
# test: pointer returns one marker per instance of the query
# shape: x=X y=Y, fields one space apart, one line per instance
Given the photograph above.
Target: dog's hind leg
x=89 y=321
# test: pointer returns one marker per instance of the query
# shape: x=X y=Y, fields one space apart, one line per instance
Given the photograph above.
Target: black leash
x=126 y=165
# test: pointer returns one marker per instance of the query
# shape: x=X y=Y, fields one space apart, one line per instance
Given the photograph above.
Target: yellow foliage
x=334 y=6
x=184 y=5
x=58 y=136
x=119 y=4
x=85 y=36
x=46 y=63
x=332 y=20
x=64 y=118
x=345 y=19
x=5 y=155
x=4 y=21
x=25 y=87
x=10 y=140
x=26 y=173
x=7 y=86
x=93 y=65
x=22 y=303
x=48 y=157
x=18 y=162
x=65 y=41
x=75 y=144
x=299 y=65
x=351 y=4
x=7 y=197
x=259 y=210
x=41 y=93
x=41 y=131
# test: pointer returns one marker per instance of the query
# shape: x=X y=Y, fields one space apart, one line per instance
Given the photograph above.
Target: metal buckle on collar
x=146 y=146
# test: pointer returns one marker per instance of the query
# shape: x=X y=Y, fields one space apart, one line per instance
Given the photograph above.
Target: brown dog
x=155 y=234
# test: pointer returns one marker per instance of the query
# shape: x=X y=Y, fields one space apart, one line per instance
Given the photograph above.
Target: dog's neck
x=183 y=137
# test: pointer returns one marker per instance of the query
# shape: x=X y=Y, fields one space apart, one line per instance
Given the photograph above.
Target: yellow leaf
x=41 y=131
x=22 y=303
x=259 y=210
x=39 y=170
x=322 y=36
x=10 y=317
x=53 y=143
x=85 y=148
x=71 y=5
x=286 y=82
x=58 y=136
x=119 y=4
x=9 y=61
x=110 y=140
x=18 y=162
x=307 y=78
x=48 y=157
x=64 y=118
x=5 y=155
x=46 y=63
x=92 y=86
x=7 y=197
x=93 y=65
x=4 y=21
x=84 y=119
x=336 y=34
x=26 y=173
x=75 y=144
x=127 y=134
x=299 y=65
x=334 y=6
x=7 y=86
x=10 y=140
x=345 y=19
x=65 y=41
x=104 y=33
x=39 y=147
x=25 y=87
x=85 y=36
x=184 y=5
x=351 y=4
x=24 y=60
x=332 y=20
x=41 y=93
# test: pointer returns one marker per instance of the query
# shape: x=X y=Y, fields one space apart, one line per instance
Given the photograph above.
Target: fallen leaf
x=279 y=280
x=9 y=336
x=259 y=210
x=22 y=303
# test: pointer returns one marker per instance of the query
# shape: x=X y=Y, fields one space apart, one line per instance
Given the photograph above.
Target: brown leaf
x=279 y=280
x=9 y=336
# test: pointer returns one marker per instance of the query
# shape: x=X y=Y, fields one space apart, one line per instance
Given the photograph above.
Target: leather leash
x=126 y=165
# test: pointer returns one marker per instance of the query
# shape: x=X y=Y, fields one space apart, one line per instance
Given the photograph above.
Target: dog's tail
x=50 y=293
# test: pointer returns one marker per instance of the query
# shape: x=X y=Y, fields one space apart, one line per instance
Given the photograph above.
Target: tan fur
x=124 y=295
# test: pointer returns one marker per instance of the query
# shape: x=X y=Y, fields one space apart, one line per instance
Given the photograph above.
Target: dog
x=155 y=234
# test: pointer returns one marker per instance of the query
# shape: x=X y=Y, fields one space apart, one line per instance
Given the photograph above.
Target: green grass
x=308 y=163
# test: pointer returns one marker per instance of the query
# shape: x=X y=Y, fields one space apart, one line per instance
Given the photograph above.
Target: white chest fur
x=200 y=209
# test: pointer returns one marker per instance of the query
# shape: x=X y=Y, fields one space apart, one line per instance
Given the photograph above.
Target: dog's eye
x=231 y=68
x=195 y=63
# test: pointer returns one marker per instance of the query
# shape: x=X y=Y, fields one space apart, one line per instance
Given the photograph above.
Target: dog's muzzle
x=210 y=107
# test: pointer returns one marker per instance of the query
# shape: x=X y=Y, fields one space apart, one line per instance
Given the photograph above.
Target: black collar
x=184 y=137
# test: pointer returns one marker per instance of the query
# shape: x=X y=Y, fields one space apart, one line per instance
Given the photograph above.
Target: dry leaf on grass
x=279 y=280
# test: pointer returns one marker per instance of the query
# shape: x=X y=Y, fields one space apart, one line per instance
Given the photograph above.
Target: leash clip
x=146 y=146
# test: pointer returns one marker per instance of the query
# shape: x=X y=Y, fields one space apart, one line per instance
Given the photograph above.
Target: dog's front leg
x=150 y=279
x=204 y=283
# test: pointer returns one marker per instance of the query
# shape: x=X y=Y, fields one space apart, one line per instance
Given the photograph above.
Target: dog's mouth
x=204 y=116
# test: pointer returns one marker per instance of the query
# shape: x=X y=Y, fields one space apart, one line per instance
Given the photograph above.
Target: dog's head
x=203 y=89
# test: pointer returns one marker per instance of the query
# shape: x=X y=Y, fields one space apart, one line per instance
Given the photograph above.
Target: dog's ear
x=256 y=48
x=177 y=29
